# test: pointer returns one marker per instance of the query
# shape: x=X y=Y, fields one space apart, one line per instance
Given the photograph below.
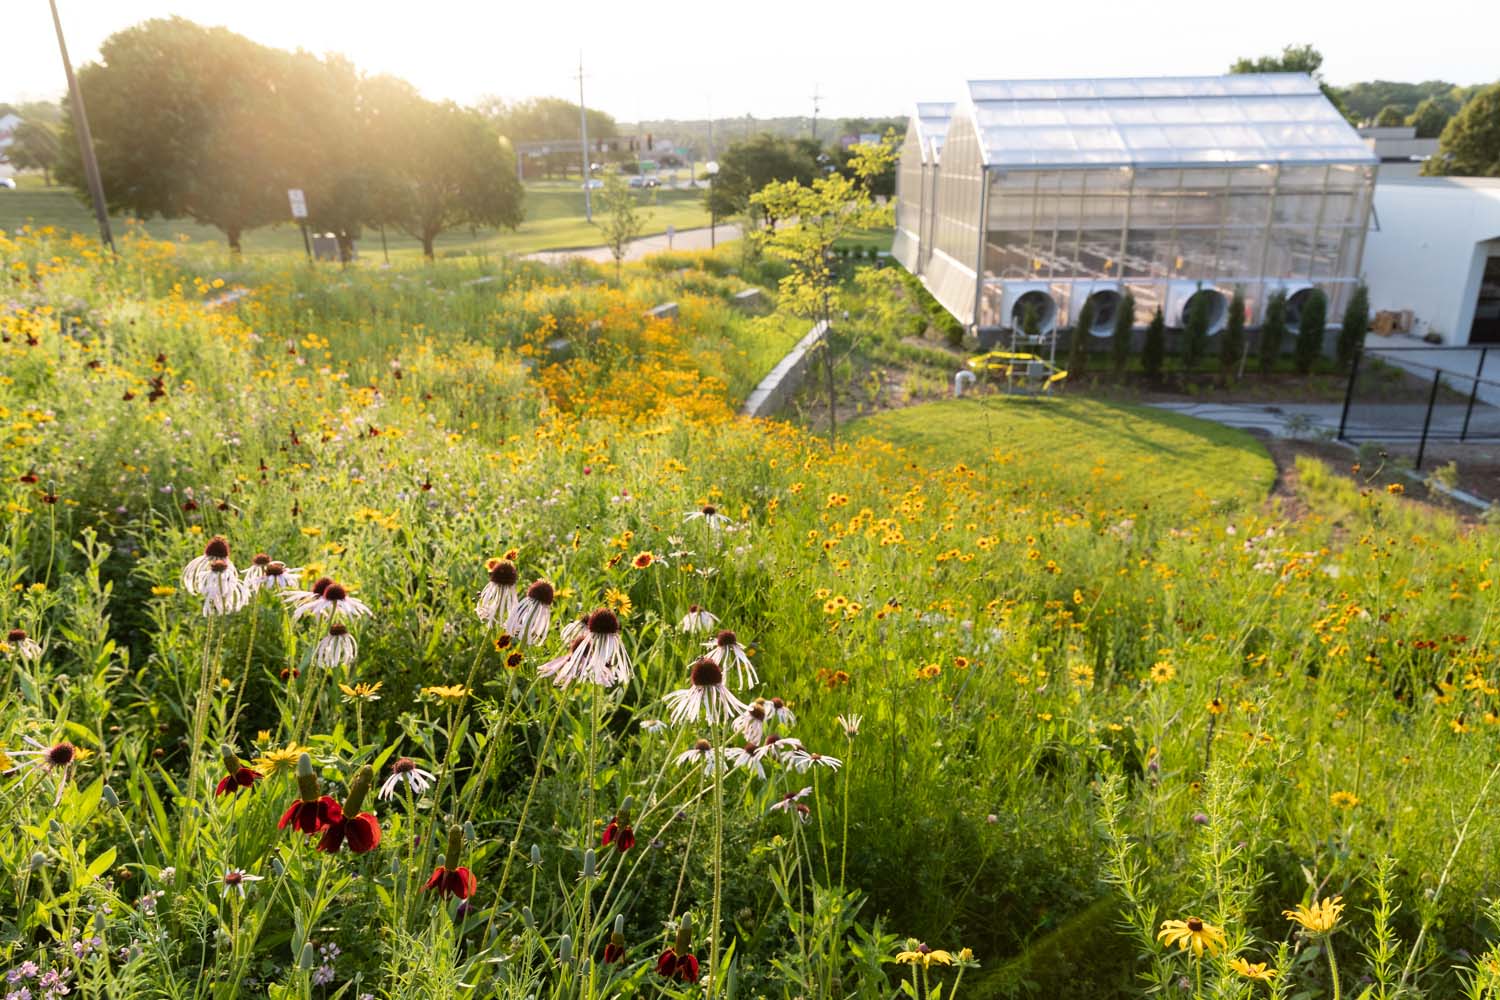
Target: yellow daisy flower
x=1322 y=917
x=1193 y=932
x=1257 y=970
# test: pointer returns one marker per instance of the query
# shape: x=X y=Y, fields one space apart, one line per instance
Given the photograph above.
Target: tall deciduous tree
x=1470 y=143
x=1429 y=118
x=1313 y=322
x=824 y=211
x=36 y=147
x=1390 y=116
x=1119 y=341
x=748 y=166
x=1272 y=332
x=1296 y=59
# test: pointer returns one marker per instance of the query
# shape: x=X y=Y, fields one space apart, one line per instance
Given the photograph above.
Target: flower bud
x=38 y=861
x=590 y=863
x=307 y=779
x=536 y=855
x=619 y=923
x=455 y=847
x=565 y=949
x=684 y=942
x=358 y=789
x=527 y=918
x=309 y=957
x=110 y=798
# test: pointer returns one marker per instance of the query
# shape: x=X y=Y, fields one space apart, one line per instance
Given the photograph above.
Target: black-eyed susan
x=446 y=692
x=1343 y=800
x=361 y=691
x=280 y=762
x=918 y=953
x=1216 y=706
x=1162 y=671
x=1319 y=917
x=1252 y=970
x=1194 y=933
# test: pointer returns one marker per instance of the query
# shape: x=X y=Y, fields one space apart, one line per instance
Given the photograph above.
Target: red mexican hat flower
x=679 y=962
x=360 y=830
x=448 y=878
x=311 y=813
x=619 y=832
x=238 y=776
x=614 y=951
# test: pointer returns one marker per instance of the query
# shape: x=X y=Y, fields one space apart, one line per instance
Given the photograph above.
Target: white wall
x=1428 y=254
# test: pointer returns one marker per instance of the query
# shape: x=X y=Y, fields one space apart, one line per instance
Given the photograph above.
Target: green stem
x=1333 y=966
x=713 y=962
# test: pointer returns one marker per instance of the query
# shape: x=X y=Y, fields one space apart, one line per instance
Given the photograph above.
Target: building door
x=1486 y=328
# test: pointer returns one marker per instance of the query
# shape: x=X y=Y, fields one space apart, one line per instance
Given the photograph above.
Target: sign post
x=298 y=202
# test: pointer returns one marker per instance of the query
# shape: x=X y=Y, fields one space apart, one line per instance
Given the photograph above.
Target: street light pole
x=583 y=130
x=712 y=169
x=85 y=138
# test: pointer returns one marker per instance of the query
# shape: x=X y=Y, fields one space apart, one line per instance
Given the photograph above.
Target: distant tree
x=823 y=212
x=1232 y=343
x=1366 y=99
x=1154 y=350
x=1310 y=329
x=1390 y=116
x=1272 y=332
x=1078 y=342
x=550 y=119
x=1296 y=59
x=1429 y=118
x=1195 y=332
x=883 y=186
x=187 y=121
x=448 y=167
x=36 y=147
x=1119 y=341
x=1356 y=324
x=623 y=221
x=1470 y=143
x=748 y=166
x=47 y=112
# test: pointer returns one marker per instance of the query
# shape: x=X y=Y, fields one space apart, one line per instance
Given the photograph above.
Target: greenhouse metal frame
x=1056 y=192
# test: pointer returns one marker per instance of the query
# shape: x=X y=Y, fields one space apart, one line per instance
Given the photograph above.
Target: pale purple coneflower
x=498 y=597
x=779 y=748
x=23 y=645
x=782 y=714
x=333 y=603
x=601 y=657
x=235 y=880
x=697 y=620
x=791 y=802
x=337 y=648
x=532 y=615
x=746 y=757
x=194 y=571
x=751 y=723
x=265 y=573
x=60 y=756
x=705 y=697
x=725 y=649
x=406 y=770
x=575 y=629
x=653 y=726
x=709 y=515
x=804 y=759
x=702 y=752
x=850 y=724
x=221 y=589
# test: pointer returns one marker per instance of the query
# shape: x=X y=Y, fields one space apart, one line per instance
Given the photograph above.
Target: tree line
x=202 y=123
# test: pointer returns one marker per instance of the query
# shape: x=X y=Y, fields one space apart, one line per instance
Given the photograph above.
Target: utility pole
x=85 y=138
x=583 y=131
x=815 y=113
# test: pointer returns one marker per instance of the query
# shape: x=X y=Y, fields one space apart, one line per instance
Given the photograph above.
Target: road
x=684 y=239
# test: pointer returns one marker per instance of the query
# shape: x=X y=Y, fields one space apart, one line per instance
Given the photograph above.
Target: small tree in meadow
x=1232 y=344
x=1310 y=330
x=1078 y=342
x=1272 y=332
x=1356 y=325
x=623 y=221
x=1119 y=341
x=1154 y=351
x=1195 y=332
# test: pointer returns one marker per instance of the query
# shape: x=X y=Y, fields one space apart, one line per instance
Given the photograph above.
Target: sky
x=697 y=59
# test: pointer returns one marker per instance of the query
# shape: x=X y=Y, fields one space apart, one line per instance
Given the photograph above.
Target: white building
x=1400 y=152
x=1434 y=248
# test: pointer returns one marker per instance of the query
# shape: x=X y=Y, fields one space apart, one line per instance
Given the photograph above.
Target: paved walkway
x=1367 y=422
x=1288 y=420
x=684 y=239
x=1420 y=359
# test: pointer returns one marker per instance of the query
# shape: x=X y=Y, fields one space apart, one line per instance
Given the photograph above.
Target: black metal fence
x=1402 y=393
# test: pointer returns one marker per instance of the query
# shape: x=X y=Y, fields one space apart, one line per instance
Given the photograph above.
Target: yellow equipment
x=1031 y=371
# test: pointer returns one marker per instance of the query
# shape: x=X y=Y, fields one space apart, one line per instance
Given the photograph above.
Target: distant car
x=593 y=184
x=639 y=181
x=7 y=183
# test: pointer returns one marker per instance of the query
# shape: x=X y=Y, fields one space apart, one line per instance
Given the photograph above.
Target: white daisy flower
x=337 y=648
x=709 y=515
x=705 y=697
x=221 y=589
x=697 y=620
x=23 y=645
x=725 y=649
x=700 y=752
x=803 y=759
x=498 y=597
x=532 y=615
x=406 y=770
x=196 y=569
x=332 y=603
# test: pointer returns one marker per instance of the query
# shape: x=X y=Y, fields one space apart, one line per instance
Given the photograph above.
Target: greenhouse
x=1057 y=192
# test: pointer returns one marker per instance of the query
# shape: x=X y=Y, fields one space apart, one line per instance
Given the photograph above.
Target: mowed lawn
x=1136 y=455
x=553 y=209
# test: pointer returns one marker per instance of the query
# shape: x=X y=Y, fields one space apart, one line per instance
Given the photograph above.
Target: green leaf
x=99 y=866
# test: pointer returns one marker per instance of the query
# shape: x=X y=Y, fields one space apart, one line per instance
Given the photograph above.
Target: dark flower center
x=604 y=622
x=338 y=628
x=403 y=765
x=276 y=569
x=61 y=755
x=1194 y=924
x=322 y=584
x=693 y=609
x=709 y=510
x=541 y=592
x=504 y=573
x=923 y=949
x=778 y=704
x=217 y=548
x=333 y=593
x=234 y=878
x=262 y=560
x=217 y=565
x=706 y=673
x=758 y=709
x=16 y=635
x=703 y=746
x=728 y=638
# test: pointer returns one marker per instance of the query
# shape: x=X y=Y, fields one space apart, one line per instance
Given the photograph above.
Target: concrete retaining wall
x=774 y=390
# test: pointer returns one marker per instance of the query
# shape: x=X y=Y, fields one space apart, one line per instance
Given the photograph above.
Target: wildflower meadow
x=441 y=631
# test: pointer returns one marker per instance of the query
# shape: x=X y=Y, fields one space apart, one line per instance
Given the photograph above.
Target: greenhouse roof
x=1162 y=121
x=932 y=127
